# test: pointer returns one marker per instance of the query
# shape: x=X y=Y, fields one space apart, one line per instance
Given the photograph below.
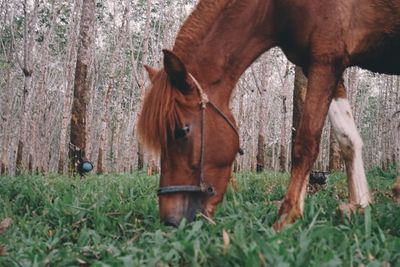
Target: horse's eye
x=182 y=132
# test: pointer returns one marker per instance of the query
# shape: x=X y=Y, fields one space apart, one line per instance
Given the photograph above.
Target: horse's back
x=373 y=38
x=364 y=33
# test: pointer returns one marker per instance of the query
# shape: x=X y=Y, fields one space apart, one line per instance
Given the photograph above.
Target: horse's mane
x=160 y=114
x=163 y=104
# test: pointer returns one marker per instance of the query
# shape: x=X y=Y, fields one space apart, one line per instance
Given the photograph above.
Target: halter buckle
x=207 y=189
x=203 y=100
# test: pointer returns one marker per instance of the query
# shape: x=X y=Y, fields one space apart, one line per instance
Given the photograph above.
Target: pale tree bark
x=68 y=86
x=130 y=141
x=40 y=134
x=387 y=144
x=81 y=90
x=252 y=130
x=274 y=156
x=6 y=96
x=383 y=121
x=102 y=166
x=335 y=160
x=142 y=82
x=261 y=110
x=396 y=124
x=237 y=165
x=26 y=95
x=299 y=96
x=283 y=146
x=120 y=117
x=353 y=80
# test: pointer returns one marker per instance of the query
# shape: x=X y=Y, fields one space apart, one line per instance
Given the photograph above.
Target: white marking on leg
x=303 y=195
x=351 y=144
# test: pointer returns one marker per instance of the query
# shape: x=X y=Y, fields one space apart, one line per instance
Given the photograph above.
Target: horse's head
x=196 y=139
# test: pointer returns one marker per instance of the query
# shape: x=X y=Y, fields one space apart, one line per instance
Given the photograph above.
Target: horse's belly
x=383 y=56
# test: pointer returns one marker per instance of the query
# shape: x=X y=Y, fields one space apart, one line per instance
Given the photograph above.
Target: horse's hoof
x=287 y=216
x=279 y=225
x=347 y=209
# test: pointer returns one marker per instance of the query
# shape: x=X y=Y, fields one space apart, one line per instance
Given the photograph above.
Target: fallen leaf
x=3 y=251
x=82 y=262
x=262 y=259
x=234 y=183
x=225 y=237
x=50 y=233
x=208 y=219
x=5 y=224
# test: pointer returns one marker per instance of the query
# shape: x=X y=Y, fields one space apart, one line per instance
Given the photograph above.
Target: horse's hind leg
x=350 y=143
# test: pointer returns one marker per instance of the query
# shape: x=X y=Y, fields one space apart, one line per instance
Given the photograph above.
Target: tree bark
x=260 y=153
x=101 y=166
x=299 y=96
x=145 y=52
x=81 y=89
x=26 y=94
x=261 y=110
x=283 y=146
x=335 y=161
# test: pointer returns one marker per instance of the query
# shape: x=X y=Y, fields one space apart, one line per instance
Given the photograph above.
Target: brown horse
x=219 y=40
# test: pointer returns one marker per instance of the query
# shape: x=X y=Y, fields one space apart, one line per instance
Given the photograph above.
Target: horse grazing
x=186 y=115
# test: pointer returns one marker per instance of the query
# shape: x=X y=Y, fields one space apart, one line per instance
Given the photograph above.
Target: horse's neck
x=237 y=36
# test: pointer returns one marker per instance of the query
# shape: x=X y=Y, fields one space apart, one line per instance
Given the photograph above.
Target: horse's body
x=214 y=47
x=358 y=33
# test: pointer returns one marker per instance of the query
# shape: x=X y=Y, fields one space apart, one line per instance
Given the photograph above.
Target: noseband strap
x=210 y=191
x=202 y=187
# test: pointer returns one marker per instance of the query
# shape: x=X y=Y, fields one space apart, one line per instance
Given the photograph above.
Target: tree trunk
x=283 y=146
x=67 y=97
x=26 y=96
x=145 y=52
x=101 y=166
x=81 y=89
x=262 y=110
x=299 y=96
x=335 y=161
x=260 y=153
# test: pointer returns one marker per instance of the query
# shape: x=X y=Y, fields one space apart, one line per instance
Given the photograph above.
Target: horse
x=186 y=117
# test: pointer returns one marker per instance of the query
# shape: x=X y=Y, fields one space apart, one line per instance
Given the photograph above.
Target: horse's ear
x=151 y=72
x=176 y=71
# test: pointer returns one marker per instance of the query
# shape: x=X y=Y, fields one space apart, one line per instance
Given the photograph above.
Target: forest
x=40 y=51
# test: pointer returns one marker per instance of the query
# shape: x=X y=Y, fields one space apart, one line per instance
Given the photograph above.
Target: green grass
x=113 y=220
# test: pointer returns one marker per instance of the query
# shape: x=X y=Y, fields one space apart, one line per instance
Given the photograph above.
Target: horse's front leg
x=322 y=81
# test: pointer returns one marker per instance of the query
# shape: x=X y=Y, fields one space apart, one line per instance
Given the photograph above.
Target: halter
x=202 y=187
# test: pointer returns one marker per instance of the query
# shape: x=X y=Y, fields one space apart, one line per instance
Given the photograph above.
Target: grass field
x=113 y=220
